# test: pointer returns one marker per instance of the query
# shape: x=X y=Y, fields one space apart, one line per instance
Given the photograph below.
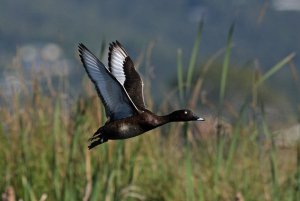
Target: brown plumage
x=120 y=89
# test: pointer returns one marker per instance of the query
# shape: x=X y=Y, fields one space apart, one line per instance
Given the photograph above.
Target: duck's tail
x=96 y=140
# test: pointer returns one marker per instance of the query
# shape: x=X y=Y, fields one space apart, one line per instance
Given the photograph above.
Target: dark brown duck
x=120 y=89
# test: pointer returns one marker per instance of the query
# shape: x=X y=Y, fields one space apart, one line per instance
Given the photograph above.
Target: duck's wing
x=116 y=101
x=122 y=67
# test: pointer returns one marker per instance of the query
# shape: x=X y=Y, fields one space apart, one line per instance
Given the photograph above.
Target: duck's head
x=184 y=115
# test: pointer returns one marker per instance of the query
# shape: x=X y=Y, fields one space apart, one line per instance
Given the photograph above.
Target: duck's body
x=121 y=91
x=131 y=126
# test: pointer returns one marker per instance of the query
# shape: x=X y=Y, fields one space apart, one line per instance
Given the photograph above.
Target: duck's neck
x=165 y=119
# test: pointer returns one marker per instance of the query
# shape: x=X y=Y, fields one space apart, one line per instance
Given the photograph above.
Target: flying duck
x=120 y=89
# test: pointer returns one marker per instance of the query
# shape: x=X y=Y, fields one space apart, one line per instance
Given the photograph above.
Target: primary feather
x=116 y=101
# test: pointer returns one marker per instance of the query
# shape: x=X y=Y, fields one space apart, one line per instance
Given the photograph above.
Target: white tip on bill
x=200 y=119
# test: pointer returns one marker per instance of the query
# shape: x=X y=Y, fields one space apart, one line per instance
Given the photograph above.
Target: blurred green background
x=233 y=62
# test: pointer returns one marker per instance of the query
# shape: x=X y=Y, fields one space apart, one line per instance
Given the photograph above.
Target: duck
x=120 y=89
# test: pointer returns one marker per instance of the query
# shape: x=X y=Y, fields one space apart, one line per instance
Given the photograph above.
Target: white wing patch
x=118 y=56
x=122 y=68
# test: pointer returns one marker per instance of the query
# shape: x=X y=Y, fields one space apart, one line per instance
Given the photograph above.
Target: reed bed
x=44 y=155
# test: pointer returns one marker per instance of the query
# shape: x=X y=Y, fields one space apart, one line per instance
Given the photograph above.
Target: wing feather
x=122 y=67
x=114 y=97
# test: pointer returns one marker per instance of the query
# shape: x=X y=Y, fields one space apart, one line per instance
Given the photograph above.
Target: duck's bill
x=200 y=119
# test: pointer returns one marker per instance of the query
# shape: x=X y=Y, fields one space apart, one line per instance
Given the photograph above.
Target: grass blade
x=218 y=167
x=275 y=68
x=221 y=141
x=200 y=190
x=189 y=177
x=180 y=74
x=235 y=138
x=197 y=87
x=226 y=64
x=55 y=168
x=193 y=58
x=28 y=190
x=272 y=158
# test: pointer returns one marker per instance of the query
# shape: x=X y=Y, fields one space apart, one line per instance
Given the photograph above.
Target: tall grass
x=44 y=156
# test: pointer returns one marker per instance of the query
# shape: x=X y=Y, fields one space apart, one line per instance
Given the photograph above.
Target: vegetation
x=44 y=155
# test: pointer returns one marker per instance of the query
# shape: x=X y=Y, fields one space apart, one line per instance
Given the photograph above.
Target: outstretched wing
x=116 y=101
x=122 y=67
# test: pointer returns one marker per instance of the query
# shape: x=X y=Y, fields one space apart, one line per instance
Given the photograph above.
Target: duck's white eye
x=185 y=112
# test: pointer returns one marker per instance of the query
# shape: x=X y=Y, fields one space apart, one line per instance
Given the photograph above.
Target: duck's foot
x=93 y=138
x=96 y=140
x=96 y=135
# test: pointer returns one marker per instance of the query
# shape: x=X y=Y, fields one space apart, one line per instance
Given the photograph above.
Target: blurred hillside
x=265 y=31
